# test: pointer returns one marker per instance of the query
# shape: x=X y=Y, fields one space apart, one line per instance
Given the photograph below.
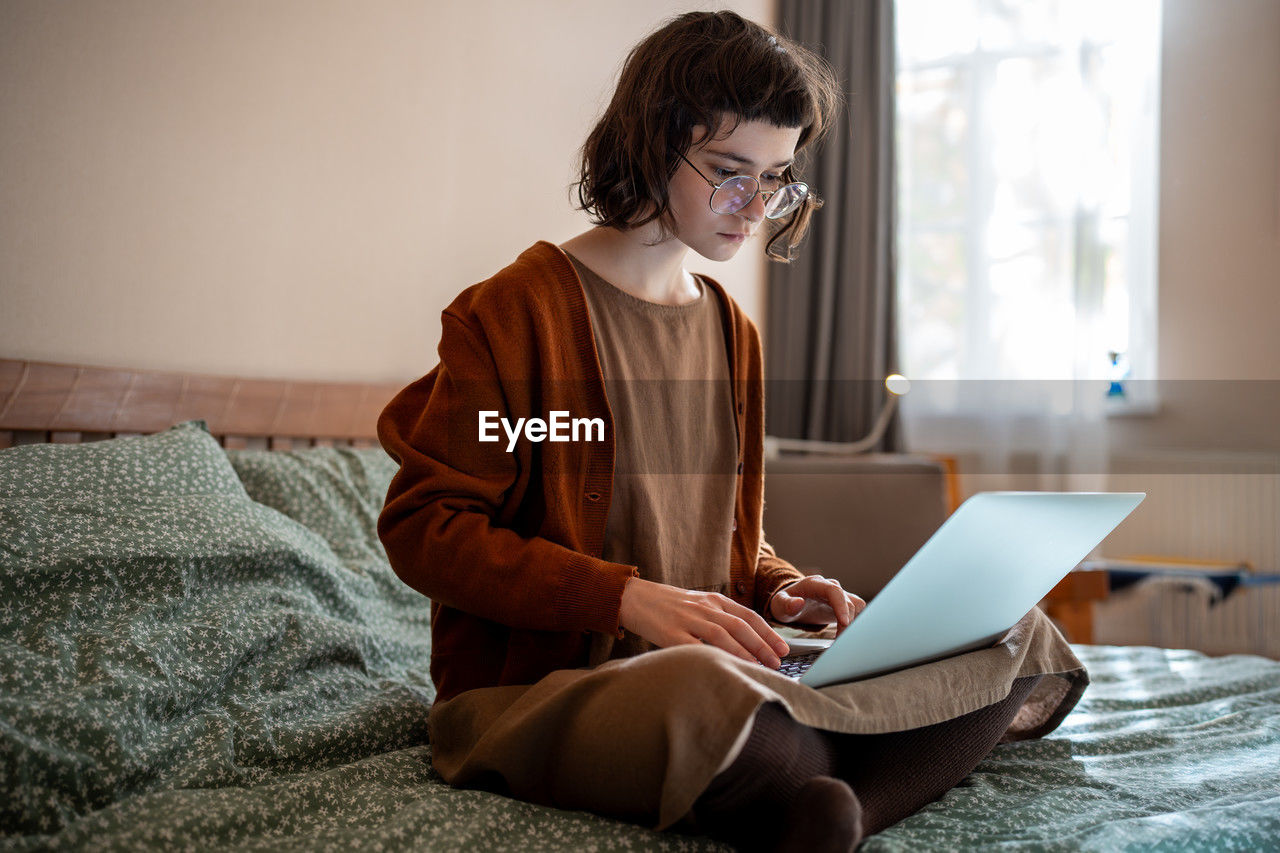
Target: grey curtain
x=830 y=314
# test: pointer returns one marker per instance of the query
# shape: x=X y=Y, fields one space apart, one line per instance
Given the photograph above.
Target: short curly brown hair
x=712 y=69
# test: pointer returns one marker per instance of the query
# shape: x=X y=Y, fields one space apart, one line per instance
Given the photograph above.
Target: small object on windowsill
x=1126 y=399
x=1118 y=373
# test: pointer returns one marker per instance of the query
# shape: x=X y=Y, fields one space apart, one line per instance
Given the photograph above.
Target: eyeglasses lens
x=785 y=200
x=733 y=195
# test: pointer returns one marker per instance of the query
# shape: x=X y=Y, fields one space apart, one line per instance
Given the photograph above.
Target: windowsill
x=1131 y=408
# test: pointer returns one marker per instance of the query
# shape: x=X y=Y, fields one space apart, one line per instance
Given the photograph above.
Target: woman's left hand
x=816 y=600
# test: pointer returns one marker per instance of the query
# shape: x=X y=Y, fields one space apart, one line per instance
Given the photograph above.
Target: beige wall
x=290 y=188
x=1219 y=255
x=297 y=187
x=1220 y=190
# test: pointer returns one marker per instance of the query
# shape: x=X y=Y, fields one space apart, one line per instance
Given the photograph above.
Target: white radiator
x=1207 y=506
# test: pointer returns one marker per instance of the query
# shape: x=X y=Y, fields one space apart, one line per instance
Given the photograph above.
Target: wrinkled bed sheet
x=1167 y=750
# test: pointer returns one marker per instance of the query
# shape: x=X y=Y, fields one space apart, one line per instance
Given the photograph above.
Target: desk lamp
x=895 y=383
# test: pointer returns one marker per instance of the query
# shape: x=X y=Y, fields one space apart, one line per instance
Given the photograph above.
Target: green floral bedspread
x=202 y=649
x=1167 y=750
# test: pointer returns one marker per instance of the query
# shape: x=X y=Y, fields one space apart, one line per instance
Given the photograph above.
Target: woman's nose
x=754 y=211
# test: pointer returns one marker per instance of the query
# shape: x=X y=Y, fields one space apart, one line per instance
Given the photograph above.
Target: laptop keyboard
x=794 y=667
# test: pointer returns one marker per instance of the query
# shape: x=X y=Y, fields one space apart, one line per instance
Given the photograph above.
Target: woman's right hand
x=670 y=616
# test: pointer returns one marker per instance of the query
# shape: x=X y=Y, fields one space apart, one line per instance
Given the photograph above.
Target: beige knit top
x=666 y=373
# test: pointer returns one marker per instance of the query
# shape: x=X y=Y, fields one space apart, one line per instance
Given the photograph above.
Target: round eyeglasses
x=737 y=192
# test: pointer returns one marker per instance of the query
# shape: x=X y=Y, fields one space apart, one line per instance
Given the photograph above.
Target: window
x=1027 y=140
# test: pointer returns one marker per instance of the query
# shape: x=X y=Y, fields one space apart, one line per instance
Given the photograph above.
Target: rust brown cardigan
x=507 y=545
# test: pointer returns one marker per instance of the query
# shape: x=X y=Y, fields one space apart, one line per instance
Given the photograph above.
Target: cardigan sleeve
x=772 y=574
x=441 y=523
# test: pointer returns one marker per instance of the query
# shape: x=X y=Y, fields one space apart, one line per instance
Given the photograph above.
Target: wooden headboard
x=67 y=403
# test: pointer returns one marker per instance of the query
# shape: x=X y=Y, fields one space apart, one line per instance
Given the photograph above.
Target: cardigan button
x=740 y=587
x=739 y=467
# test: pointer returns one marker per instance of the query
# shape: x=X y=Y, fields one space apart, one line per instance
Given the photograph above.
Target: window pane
x=1015 y=24
x=935 y=29
x=932 y=131
x=1114 y=256
x=1031 y=308
x=1027 y=156
x=1038 y=134
x=935 y=304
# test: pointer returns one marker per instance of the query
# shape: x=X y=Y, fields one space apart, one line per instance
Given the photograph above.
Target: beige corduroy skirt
x=641 y=738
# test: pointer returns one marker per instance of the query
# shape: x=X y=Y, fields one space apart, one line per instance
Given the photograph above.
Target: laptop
x=992 y=561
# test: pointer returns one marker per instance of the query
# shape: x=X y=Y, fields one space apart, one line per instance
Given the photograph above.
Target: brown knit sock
x=825 y=817
x=895 y=775
x=754 y=802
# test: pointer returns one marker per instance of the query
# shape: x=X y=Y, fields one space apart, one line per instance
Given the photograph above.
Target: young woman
x=581 y=481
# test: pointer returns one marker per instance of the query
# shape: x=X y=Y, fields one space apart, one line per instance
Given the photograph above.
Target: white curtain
x=1025 y=434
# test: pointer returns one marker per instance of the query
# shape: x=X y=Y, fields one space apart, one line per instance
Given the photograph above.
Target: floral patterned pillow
x=335 y=492
x=183 y=460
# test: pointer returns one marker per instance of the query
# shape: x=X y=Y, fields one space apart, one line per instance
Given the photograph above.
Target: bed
x=203 y=647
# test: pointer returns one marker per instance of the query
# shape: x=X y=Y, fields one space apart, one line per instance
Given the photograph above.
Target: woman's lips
x=734 y=237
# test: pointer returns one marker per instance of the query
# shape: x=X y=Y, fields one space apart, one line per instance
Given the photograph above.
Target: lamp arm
x=774 y=445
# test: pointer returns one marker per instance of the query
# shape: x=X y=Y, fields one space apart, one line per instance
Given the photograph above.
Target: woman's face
x=756 y=148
